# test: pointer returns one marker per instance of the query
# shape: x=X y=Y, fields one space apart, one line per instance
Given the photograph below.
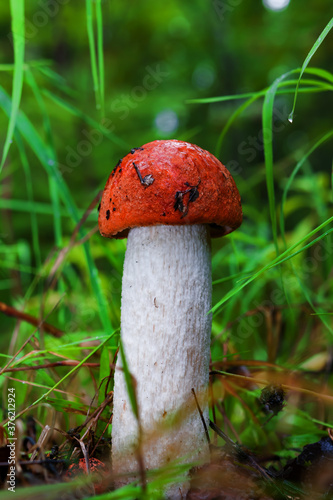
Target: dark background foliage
x=157 y=57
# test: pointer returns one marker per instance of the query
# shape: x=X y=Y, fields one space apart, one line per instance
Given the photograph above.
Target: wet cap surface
x=171 y=183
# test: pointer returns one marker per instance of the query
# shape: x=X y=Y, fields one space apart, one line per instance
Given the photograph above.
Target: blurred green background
x=200 y=49
x=157 y=57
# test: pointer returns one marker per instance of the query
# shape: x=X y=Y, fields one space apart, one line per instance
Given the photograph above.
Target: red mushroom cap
x=169 y=183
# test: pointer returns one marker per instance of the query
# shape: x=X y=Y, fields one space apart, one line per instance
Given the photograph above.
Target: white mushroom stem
x=165 y=331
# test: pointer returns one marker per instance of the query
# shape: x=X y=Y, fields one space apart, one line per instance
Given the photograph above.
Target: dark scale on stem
x=99 y=207
x=107 y=215
x=114 y=209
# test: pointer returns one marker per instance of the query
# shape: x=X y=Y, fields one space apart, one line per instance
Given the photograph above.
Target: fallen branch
x=49 y=365
x=15 y=313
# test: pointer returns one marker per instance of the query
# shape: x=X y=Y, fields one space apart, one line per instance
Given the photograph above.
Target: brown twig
x=239 y=452
x=33 y=384
x=201 y=415
x=64 y=251
x=24 y=344
x=96 y=412
x=227 y=421
x=50 y=365
x=261 y=309
x=288 y=387
x=246 y=362
x=101 y=436
x=234 y=393
x=15 y=313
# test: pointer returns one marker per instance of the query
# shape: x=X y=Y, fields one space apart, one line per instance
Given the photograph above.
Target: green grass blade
x=32 y=64
x=57 y=80
x=228 y=278
x=322 y=73
x=90 y=121
x=306 y=293
x=251 y=97
x=18 y=31
x=52 y=185
x=92 y=48
x=305 y=247
x=33 y=217
x=286 y=255
x=231 y=120
x=234 y=97
x=53 y=188
x=54 y=195
x=308 y=58
x=31 y=81
x=99 y=20
x=35 y=207
x=69 y=374
x=47 y=158
x=49 y=491
x=267 y=124
x=104 y=372
x=299 y=164
x=130 y=383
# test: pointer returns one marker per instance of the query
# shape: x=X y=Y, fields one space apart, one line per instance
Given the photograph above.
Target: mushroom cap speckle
x=169 y=183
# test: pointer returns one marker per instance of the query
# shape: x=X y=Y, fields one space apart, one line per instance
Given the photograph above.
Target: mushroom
x=168 y=197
